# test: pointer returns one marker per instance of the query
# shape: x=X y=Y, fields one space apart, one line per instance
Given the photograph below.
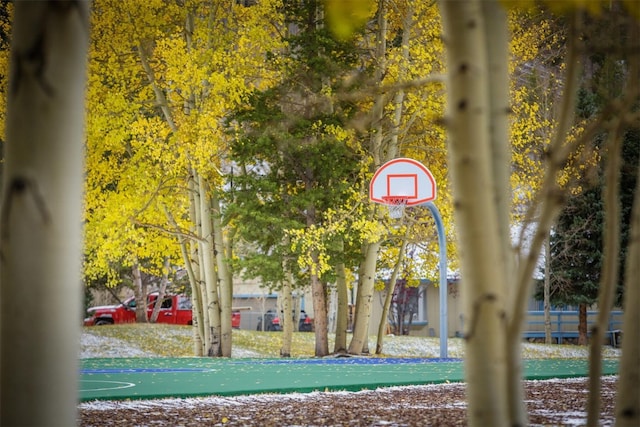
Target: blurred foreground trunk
x=41 y=224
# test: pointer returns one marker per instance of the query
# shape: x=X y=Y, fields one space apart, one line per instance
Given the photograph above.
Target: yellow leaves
x=369 y=231
x=344 y=17
x=339 y=133
x=350 y=222
x=309 y=243
x=580 y=164
x=564 y=7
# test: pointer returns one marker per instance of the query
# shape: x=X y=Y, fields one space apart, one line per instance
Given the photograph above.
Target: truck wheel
x=101 y=322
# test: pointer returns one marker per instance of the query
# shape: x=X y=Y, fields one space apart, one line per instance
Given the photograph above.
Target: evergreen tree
x=296 y=160
x=577 y=241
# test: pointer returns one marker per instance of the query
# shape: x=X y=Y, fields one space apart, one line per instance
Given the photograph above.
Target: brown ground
x=554 y=402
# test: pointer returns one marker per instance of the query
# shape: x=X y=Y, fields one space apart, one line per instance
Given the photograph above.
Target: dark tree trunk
x=582 y=324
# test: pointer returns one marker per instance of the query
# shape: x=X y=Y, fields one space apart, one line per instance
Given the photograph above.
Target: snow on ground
x=197 y=402
x=93 y=345
x=98 y=346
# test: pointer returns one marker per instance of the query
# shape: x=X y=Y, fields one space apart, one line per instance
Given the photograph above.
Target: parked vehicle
x=272 y=322
x=174 y=309
x=305 y=324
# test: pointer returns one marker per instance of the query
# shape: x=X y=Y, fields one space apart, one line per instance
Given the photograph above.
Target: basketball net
x=396 y=205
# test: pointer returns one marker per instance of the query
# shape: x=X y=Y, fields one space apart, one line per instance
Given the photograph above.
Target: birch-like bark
x=392 y=152
x=342 y=314
x=389 y=297
x=609 y=275
x=224 y=282
x=497 y=41
x=549 y=205
x=140 y=291
x=196 y=298
x=196 y=255
x=360 y=336
x=547 y=291
x=285 y=318
x=627 y=410
x=320 y=310
x=550 y=200
x=164 y=282
x=195 y=266
x=360 y=339
x=204 y=331
x=41 y=216
x=207 y=258
x=398 y=100
x=476 y=213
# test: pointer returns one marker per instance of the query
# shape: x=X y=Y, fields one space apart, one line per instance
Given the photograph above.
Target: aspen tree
x=627 y=407
x=41 y=214
x=483 y=265
x=367 y=269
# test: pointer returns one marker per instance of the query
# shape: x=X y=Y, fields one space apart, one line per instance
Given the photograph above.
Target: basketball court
x=154 y=378
x=397 y=184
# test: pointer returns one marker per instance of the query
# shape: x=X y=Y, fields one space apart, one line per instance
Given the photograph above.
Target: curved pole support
x=442 y=243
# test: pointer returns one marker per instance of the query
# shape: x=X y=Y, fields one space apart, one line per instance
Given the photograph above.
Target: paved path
x=153 y=378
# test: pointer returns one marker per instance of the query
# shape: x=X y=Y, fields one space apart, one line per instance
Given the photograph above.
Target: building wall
x=252 y=300
x=426 y=322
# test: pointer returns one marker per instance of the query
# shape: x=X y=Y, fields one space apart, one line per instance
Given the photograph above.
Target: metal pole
x=442 y=243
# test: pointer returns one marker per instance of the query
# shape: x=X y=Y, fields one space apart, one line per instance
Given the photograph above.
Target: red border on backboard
x=415 y=170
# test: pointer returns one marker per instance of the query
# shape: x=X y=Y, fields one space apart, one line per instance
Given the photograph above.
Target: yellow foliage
x=138 y=155
x=344 y=17
x=563 y=7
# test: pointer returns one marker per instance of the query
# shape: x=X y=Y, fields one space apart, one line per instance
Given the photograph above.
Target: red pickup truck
x=175 y=309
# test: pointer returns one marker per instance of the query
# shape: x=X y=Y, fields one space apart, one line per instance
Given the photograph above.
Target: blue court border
x=153 y=378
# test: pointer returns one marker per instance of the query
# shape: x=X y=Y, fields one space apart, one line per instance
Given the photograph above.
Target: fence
x=564 y=325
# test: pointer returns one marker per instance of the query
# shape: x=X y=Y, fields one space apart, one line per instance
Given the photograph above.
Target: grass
x=177 y=341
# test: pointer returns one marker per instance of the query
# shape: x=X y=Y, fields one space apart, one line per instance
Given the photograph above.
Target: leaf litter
x=549 y=402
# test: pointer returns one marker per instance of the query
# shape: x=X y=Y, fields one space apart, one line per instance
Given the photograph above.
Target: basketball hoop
x=396 y=205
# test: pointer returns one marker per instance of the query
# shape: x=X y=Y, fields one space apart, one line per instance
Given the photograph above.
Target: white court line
x=121 y=385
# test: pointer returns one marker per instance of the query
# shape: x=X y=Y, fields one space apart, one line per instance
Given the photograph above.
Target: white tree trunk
x=210 y=275
x=196 y=248
x=320 y=311
x=286 y=320
x=164 y=282
x=196 y=293
x=342 y=313
x=610 y=271
x=392 y=152
x=224 y=279
x=547 y=291
x=384 y=320
x=627 y=397
x=476 y=212
x=140 y=292
x=497 y=42
x=41 y=223
x=359 y=340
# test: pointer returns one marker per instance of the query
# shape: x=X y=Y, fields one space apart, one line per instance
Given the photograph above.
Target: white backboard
x=403 y=177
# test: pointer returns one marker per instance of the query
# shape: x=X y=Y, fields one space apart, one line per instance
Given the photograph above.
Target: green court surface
x=153 y=378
